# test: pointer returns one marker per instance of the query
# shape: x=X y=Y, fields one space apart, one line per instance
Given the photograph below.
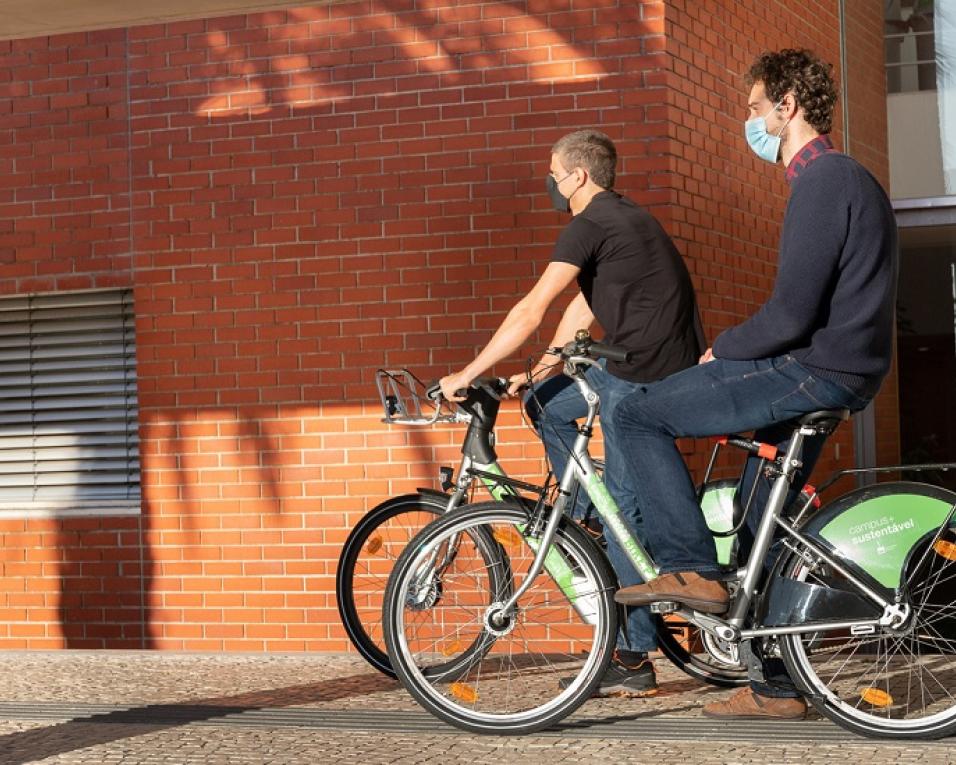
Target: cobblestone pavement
x=224 y=709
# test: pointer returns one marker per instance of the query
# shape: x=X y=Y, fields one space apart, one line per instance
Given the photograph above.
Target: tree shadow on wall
x=105 y=573
x=306 y=95
x=310 y=56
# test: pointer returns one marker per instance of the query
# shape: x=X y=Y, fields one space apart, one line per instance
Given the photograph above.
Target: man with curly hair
x=824 y=340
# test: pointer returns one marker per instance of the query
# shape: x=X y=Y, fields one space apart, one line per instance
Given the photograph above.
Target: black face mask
x=560 y=202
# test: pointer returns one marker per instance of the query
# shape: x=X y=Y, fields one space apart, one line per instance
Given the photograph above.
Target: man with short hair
x=824 y=340
x=632 y=280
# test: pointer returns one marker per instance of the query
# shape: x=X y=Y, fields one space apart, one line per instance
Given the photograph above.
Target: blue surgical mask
x=763 y=144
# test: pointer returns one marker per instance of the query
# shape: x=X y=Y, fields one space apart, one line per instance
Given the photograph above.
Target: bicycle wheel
x=366 y=561
x=507 y=678
x=895 y=683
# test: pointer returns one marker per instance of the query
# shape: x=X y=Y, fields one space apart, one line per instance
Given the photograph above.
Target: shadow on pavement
x=79 y=733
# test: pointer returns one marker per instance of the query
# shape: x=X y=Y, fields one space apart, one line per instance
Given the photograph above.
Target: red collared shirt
x=816 y=148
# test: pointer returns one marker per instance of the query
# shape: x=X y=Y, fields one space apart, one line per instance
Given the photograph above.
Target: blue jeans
x=553 y=406
x=711 y=399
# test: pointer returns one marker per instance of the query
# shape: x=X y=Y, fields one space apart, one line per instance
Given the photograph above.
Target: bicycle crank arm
x=716 y=627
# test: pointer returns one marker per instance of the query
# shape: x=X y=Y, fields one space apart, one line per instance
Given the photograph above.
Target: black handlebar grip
x=611 y=353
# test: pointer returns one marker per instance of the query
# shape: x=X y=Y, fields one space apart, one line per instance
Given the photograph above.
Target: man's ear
x=788 y=106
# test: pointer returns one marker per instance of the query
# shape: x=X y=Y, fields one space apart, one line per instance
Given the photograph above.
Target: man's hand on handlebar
x=516 y=383
x=454 y=387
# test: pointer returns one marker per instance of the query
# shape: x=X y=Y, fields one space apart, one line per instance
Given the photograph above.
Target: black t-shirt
x=636 y=284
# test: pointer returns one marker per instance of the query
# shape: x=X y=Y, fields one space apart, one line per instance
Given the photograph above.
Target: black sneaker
x=624 y=680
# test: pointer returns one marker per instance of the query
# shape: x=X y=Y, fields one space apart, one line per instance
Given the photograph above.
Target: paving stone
x=148 y=708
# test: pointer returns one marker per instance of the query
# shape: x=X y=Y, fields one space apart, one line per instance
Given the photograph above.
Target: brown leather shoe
x=687 y=587
x=745 y=704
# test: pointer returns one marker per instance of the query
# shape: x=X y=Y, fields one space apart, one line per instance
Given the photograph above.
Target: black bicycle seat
x=825 y=418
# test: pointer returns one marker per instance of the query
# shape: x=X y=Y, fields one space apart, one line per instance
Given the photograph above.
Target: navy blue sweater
x=833 y=303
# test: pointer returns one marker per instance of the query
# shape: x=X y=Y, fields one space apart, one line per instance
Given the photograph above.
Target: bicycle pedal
x=664 y=607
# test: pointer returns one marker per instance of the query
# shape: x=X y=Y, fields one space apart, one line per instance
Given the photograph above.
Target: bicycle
x=384 y=531
x=859 y=603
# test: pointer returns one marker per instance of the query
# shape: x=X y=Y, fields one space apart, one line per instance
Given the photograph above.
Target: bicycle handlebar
x=583 y=345
x=611 y=352
x=495 y=386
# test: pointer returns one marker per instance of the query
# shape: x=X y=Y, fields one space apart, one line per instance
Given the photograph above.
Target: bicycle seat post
x=763 y=538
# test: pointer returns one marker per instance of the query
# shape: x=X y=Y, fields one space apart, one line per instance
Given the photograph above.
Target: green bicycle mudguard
x=717 y=505
x=874 y=532
x=875 y=528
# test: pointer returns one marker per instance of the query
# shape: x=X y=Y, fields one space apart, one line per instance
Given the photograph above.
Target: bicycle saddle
x=825 y=418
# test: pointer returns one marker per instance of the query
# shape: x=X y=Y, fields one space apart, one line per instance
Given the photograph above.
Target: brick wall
x=301 y=197
x=65 y=225
x=64 y=169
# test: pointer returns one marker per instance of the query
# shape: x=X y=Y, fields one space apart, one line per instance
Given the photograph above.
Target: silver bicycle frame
x=750 y=574
x=580 y=469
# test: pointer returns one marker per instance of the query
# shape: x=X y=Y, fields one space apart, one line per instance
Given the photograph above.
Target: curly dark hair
x=592 y=150
x=810 y=79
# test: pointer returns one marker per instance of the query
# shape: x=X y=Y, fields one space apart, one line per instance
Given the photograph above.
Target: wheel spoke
x=510 y=680
x=899 y=683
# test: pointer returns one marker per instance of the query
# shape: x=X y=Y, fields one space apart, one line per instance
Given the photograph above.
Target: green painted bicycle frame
x=717 y=506
x=611 y=517
x=554 y=562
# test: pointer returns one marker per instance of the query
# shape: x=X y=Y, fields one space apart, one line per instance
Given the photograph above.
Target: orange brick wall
x=298 y=198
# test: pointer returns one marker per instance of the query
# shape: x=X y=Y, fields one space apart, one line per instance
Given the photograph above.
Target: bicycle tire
x=368 y=555
x=508 y=683
x=892 y=684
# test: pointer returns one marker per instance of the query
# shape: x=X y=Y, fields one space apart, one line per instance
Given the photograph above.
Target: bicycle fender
x=874 y=529
x=438 y=494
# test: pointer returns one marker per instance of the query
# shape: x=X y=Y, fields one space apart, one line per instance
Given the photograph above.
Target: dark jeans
x=554 y=405
x=710 y=399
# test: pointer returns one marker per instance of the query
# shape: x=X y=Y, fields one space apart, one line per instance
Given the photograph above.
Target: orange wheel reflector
x=876 y=697
x=450 y=649
x=507 y=537
x=945 y=549
x=464 y=692
x=374 y=545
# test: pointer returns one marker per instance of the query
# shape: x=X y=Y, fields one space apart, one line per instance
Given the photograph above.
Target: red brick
x=309 y=202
